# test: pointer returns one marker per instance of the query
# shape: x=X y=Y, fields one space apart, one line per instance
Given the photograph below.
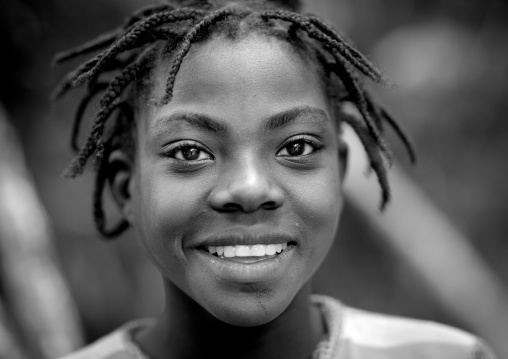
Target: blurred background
x=451 y=60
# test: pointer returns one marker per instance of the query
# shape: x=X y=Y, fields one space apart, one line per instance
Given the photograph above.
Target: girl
x=225 y=155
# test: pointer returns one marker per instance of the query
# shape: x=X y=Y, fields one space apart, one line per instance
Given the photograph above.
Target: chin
x=249 y=308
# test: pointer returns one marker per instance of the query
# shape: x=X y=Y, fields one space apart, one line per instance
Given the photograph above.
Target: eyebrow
x=200 y=121
x=285 y=118
x=274 y=122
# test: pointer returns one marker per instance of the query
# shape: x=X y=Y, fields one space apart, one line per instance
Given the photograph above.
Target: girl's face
x=241 y=164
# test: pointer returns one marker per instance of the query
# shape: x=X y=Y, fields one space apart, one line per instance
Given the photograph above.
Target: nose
x=246 y=187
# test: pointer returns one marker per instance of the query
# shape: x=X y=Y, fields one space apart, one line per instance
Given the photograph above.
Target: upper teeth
x=256 y=250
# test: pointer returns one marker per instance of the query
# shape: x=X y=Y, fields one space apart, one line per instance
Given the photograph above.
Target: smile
x=246 y=257
x=256 y=250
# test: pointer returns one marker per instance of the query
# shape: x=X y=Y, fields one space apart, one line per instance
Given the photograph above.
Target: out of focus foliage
x=451 y=59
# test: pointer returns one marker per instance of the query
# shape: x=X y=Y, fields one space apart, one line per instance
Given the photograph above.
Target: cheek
x=170 y=204
x=165 y=209
x=319 y=195
x=322 y=199
x=320 y=203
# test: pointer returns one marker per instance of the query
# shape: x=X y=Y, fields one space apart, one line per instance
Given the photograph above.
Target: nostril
x=236 y=207
x=232 y=207
x=269 y=205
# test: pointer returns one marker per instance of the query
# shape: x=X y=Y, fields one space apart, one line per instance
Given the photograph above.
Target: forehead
x=250 y=78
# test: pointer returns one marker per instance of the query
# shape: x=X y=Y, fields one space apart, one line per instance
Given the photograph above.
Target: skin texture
x=243 y=181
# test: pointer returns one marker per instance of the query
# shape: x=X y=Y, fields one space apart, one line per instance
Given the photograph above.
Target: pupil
x=191 y=153
x=295 y=149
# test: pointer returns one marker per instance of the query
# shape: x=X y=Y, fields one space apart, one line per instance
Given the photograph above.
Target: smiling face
x=236 y=190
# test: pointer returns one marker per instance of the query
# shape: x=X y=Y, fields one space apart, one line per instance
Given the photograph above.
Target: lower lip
x=247 y=272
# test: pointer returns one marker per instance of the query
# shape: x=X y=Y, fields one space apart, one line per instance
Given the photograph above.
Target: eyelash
x=316 y=146
x=177 y=150
x=174 y=151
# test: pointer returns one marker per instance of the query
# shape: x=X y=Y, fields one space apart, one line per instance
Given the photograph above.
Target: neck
x=186 y=330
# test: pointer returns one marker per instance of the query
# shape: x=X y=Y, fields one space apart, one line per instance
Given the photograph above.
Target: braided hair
x=125 y=57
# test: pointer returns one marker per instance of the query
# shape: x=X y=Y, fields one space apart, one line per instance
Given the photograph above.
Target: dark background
x=451 y=58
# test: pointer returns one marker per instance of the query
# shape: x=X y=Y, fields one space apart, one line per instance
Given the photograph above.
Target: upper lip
x=245 y=237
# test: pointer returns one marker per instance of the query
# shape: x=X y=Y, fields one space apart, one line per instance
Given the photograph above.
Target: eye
x=301 y=146
x=189 y=151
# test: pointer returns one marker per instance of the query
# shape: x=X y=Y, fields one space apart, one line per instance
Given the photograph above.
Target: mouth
x=247 y=259
x=247 y=253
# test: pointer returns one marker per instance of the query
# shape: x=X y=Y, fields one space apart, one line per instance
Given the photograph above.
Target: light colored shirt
x=351 y=334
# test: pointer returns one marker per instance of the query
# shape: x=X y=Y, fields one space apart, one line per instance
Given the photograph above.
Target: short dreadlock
x=128 y=54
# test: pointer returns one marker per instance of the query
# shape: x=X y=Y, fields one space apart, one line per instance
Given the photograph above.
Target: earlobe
x=120 y=177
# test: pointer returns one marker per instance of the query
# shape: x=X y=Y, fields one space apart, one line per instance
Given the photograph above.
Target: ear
x=343 y=147
x=343 y=156
x=120 y=177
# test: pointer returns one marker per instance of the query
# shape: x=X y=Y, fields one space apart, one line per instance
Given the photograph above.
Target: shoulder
x=366 y=334
x=380 y=329
x=115 y=345
x=108 y=347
